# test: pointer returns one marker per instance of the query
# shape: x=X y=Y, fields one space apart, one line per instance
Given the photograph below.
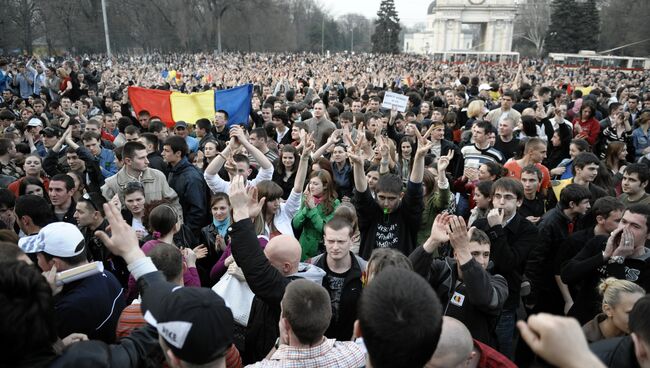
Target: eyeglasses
x=507 y=197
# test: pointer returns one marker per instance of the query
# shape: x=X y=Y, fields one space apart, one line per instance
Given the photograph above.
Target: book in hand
x=78 y=273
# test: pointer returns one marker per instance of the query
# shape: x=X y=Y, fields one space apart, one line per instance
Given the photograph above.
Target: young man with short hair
x=91 y=305
x=621 y=254
x=393 y=219
x=305 y=314
x=188 y=183
x=634 y=184
x=343 y=276
x=106 y=157
x=136 y=168
x=211 y=174
x=400 y=319
x=7 y=154
x=151 y=142
x=554 y=228
x=220 y=130
x=61 y=191
x=585 y=170
x=533 y=206
x=512 y=237
x=481 y=151
x=506 y=110
x=506 y=142
x=203 y=132
x=534 y=154
x=258 y=138
x=465 y=287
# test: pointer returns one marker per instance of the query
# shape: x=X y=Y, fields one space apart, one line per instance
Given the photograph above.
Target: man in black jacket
x=466 y=289
x=512 y=237
x=622 y=255
x=152 y=143
x=187 y=182
x=79 y=159
x=267 y=273
x=548 y=294
x=389 y=221
x=342 y=279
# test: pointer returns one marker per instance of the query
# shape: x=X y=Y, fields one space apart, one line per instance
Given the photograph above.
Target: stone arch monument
x=465 y=25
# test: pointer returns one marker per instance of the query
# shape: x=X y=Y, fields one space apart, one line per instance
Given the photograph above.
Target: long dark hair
x=279 y=166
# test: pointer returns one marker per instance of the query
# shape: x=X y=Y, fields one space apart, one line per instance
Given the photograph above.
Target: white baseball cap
x=59 y=239
x=34 y=122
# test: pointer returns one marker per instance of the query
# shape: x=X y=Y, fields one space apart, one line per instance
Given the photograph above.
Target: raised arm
x=218 y=162
x=260 y=158
x=424 y=146
x=299 y=183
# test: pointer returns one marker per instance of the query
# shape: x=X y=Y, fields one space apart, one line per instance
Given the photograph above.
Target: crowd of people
x=501 y=219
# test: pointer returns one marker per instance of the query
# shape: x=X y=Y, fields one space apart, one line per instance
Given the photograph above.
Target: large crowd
x=500 y=220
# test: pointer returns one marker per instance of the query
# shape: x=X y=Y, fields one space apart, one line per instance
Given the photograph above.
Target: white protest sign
x=396 y=101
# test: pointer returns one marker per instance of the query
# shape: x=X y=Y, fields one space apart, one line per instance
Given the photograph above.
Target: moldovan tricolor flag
x=171 y=107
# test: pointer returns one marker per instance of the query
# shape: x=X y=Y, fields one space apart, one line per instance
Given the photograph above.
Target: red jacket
x=590 y=128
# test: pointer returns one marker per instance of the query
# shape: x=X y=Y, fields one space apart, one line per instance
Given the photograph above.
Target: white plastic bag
x=238 y=297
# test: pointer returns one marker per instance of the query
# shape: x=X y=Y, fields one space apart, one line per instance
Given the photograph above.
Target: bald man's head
x=455 y=346
x=283 y=251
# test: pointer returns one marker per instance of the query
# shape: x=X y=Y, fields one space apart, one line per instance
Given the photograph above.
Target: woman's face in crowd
x=573 y=150
x=288 y=159
x=272 y=206
x=622 y=154
x=32 y=166
x=620 y=314
x=134 y=203
x=338 y=155
x=34 y=189
x=556 y=140
x=210 y=150
x=220 y=210
x=316 y=186
x=481 y=201
x=484 y=173
x=407 y=149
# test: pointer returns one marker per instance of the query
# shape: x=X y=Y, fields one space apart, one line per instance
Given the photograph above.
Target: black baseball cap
x=195 y=323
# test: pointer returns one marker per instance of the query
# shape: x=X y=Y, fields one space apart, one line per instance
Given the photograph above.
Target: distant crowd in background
x=500 y=219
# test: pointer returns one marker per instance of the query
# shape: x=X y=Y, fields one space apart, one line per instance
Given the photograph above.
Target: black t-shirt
x=334 y=284
x=507 y=149
x=532 y=207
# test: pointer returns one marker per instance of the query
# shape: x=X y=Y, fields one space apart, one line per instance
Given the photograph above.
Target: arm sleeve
x=300 y=217
x=216 y=184
x=266 y=282
x=319 y=219
x=262 y=174
x=509 y=257
x=50 y=163
x=365 y=205
x=586 y=261
x=196 y=201
x=487 y=292
x=421 y=261
x=414 y=203
x=133 y=350
x=292 y=204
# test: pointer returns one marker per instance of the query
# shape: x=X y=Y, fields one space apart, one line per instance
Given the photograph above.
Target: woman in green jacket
x=318 y=205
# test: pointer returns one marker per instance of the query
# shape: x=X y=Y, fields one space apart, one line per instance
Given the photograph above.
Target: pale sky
x=409 y=11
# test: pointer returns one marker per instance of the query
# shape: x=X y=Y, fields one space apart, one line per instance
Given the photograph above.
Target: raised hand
x=443 y=161
x=123 y=241
x=239 y=198
x=254 y=206
x=439 y=232
x=458 y=235
x=495 y=217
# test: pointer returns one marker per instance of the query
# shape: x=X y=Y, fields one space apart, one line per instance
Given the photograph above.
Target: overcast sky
x=409 y=11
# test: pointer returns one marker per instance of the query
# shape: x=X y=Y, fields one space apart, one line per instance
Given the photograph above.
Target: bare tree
x=532 y=23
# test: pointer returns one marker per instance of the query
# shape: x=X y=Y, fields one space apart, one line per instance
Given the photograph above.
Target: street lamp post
x=108 y=41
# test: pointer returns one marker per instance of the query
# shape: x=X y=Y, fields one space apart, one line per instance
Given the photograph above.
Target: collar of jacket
x=123 y=178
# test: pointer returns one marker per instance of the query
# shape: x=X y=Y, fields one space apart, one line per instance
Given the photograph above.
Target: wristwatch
x=616 y=259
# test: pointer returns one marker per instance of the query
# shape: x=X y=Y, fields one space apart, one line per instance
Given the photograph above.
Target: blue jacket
x=192 y=192
x=91 y=306
x=5 y=81
x=107 y=163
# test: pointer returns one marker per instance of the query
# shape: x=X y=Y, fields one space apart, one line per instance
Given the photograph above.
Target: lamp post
x=108 y=41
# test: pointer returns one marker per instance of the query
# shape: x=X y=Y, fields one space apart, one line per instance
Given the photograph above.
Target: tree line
x=52 y=26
